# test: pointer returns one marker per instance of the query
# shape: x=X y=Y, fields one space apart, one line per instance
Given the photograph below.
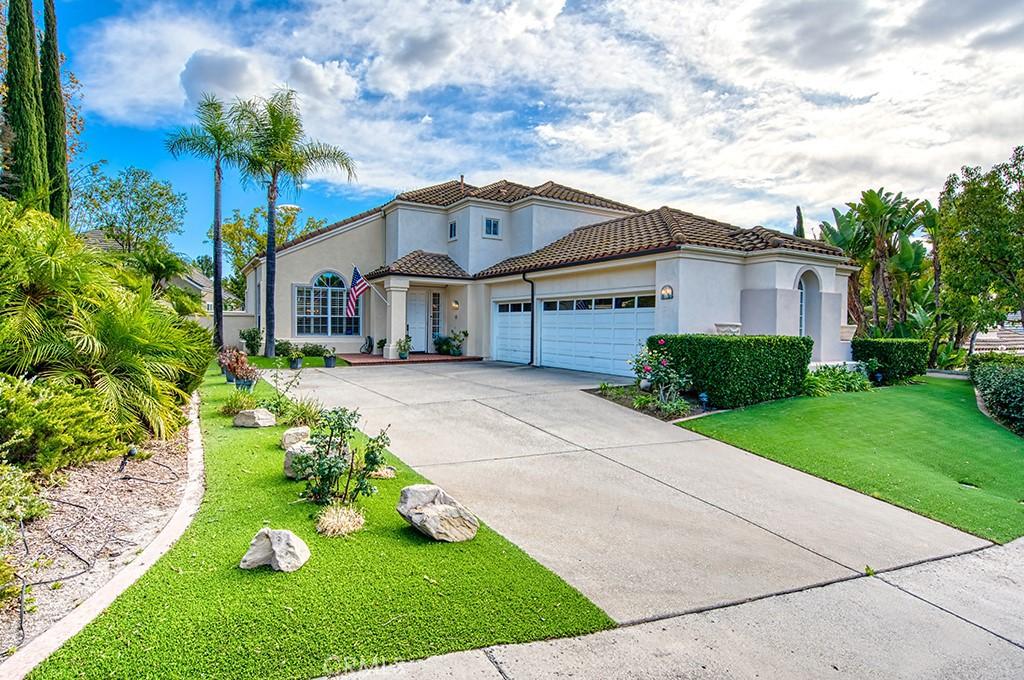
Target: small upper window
x=492 y=227
x=453 y=230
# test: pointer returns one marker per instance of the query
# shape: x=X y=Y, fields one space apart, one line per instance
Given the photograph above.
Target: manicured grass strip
x=385 y=594
x=282 y=362
x=924 y=447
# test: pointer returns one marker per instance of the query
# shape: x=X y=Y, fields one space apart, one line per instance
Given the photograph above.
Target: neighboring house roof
x=504 y=191
x=422 y=263
x=98 y=239
x=650 y=232
x=198 y=278
x=1000 y=340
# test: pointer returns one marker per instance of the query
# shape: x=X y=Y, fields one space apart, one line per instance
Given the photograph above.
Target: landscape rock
x=431 y=511
x=280 y=549
x=294 y=435
x=255 y=417
x=387 y=472
x=304 y=448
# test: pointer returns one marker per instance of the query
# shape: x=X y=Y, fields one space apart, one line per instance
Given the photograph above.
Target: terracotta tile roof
x=99 y=240
x=1000 y=340
x=504 y=191
x=652 y=231
x=422 y=263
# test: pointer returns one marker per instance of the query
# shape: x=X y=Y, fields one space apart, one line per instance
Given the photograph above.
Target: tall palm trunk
x=874 y=295
x=855 y=308
x=218 y=254
x=271 y=260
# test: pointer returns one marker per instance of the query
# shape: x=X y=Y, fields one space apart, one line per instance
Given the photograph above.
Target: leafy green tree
x=156 y=261
x=278 y=155
x=23 y=109
x=204 y=263
x=54 y=117
x=245 y=238
x=981 y=223
x=798 y=230
x=218 y=138
x=131 y=208
x=847 y=233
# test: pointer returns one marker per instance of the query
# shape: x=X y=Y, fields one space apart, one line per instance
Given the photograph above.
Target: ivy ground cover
x=925 y=447
x=382 y=595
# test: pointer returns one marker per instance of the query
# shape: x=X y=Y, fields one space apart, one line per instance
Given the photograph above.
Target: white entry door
x=596 y=334
x=510 y=340
x=416 y=319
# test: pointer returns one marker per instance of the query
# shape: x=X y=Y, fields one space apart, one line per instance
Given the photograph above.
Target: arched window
x=320 y=308
x=803 y=308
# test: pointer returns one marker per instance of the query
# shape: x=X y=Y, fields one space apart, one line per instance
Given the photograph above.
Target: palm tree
x=277 y=154
x=216 y=137
x=848 y=235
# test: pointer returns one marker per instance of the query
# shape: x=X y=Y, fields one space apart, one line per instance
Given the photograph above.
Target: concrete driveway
x=646 y=519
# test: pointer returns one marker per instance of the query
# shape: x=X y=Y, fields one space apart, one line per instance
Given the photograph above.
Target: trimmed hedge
x=980 y=358
x=1002 y=387
x=898 y=358
x=739 y=370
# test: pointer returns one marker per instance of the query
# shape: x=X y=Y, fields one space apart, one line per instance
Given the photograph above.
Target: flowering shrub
x=668 y=381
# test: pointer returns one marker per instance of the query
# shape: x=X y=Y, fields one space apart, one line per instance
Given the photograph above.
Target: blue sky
x=738 y=110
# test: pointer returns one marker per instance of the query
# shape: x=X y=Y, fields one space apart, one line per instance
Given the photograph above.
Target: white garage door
x=595 y=334
x=511 y=338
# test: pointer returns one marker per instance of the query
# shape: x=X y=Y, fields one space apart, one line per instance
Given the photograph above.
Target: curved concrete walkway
x=19 y=664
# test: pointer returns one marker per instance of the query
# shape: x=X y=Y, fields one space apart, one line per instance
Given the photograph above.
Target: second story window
x=453 y=231
x=492 y=227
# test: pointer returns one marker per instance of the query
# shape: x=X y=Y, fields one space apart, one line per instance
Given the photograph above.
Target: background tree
x=204 y=263
x=23 y=109
x=54 y=119
x=278 y=155
x=981 y=224
x=131 y=208
x=848 y=234
x=216 y=137
x=798 y=230
x=245 y=237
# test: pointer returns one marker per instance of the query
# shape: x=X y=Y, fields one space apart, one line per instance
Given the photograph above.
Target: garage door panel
x=510 y=340
x=595 y=334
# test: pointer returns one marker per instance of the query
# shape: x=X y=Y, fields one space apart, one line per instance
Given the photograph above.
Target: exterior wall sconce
x=667 y=293
x=455 y=305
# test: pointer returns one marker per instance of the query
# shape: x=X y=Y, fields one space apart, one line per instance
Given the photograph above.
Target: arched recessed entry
x=809 y=287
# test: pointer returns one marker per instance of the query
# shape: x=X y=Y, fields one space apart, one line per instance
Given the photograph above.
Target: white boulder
x=255 y=417
x=294 y=435
x=278 y=548
x=433 y=512
x=304 y=448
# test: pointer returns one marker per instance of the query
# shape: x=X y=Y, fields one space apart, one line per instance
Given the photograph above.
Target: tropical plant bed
x=106 y=516
x=384 y=594
x=632 y=397
x=925 y=447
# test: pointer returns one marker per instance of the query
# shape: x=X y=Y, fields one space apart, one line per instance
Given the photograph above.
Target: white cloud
x=737 y=109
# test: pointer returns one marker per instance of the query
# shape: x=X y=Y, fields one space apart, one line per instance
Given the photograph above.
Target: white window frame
x=335 y=324
x=453 y=230
x=497 y=226
x=803 y=309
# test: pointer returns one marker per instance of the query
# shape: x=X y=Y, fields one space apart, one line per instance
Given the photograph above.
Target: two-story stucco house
x=548 y=275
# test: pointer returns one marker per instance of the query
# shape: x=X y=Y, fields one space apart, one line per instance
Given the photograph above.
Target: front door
x=416 y=319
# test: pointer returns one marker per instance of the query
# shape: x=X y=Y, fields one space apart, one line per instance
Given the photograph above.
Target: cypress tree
x=23 y=107
x=55 y=125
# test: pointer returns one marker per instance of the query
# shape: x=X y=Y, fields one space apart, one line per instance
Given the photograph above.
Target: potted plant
x=443 y=344
x=403 y=346
x=295 y=358
x=455 y=341
x=330 y=360
x=246 y=377
x=380 y=345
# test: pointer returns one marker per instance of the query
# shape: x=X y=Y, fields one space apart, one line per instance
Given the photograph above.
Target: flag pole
x=373 y=288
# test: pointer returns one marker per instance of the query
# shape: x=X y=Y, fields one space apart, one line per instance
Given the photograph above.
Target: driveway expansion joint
x=489 y=653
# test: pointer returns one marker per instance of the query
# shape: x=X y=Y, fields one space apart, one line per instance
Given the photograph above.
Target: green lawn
x=384 y=594
x=282 y=362
x=925 y=447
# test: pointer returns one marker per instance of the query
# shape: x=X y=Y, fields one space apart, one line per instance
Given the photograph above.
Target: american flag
x=358 y=287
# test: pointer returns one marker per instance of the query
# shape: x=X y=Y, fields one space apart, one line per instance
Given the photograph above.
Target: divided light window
x=320 y=308
x=589 y=304
x=453 y=230
x=492 y=226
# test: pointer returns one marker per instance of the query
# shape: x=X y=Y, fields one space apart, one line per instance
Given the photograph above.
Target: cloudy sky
x=739 y=110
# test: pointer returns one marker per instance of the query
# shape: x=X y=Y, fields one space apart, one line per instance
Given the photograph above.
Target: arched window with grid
x=320 y=308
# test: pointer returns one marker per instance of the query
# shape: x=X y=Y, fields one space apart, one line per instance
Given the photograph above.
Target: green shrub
x=46 y=427
x=1002 y=387
x=19 y=501
x=828 y=379
x=311 y=349
x=196 y=355
x=304 y=411
x=253 y=339
x=898 y=358
x=283 y=348
x=237 y=401
x=739 y=370
x=980 y=358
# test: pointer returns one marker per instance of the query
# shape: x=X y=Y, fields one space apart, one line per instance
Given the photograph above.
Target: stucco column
x=395 y=290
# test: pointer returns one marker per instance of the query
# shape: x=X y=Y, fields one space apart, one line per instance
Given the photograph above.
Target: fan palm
x=277 y=155
x=218 y=138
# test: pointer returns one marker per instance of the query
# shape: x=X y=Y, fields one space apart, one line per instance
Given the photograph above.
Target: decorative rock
x=388 y=472
x=304 y=448
x=294 y=435
x=433 y=512
x=279 y=548
x=256 y=417
x=645 y=385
